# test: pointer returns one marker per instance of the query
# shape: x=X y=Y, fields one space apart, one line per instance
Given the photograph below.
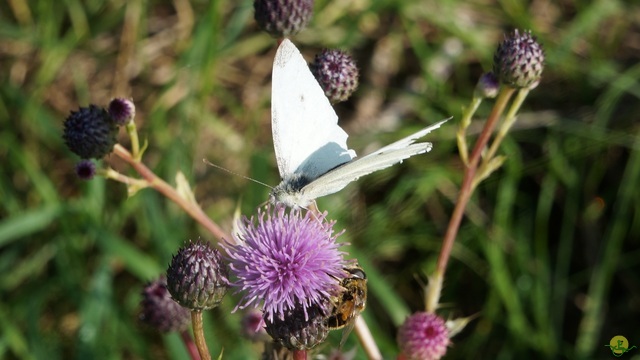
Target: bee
x=349 y=302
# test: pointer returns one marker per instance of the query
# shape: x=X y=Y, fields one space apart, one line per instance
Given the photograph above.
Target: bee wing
x=346 y=330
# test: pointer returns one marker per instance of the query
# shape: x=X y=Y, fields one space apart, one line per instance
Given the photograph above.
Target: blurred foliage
x=548 y=256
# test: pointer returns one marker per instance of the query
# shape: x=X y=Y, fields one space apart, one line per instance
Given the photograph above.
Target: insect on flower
x=348 y=304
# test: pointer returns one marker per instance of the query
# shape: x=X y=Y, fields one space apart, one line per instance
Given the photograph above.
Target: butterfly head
x=289 y=192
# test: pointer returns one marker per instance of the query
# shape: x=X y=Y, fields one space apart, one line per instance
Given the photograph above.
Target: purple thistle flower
x=423 y=336
x=284 y=259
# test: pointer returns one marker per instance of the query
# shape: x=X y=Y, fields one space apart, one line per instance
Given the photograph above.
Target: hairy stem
x=198 y=334
x=509 y=119
x=192 y=208
x=299 y=355
x=462 y=129
x=188 y=343
x=466 y=190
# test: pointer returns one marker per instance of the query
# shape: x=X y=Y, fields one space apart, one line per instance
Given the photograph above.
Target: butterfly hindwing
x=336 y=179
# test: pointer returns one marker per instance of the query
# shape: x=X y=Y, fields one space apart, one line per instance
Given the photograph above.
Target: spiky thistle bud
x=423 y=336
x=122 y=110
x=337 y=73
x=90 y=132
x=283 y=18
x=301 y=328
x=519 y=60
x=160 y=311
x=197 y=278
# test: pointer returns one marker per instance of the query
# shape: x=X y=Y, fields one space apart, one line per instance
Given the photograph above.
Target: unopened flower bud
x=488 y=86
x=122 y=110
x=337 y=73
x=197 y=278
x=299 y=330
x=519 y=61
x=160 y=311
x=86 y=169
x=283 y=18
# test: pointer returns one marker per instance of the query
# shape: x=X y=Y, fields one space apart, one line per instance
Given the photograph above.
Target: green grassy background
x=548 y=257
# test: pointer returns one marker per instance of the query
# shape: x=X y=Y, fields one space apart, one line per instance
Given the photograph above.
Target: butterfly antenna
x=235 y=173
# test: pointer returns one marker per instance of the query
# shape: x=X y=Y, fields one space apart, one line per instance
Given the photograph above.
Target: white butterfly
x=311 y=149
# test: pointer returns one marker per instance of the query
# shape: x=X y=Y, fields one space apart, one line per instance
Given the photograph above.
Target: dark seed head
x=90 y=132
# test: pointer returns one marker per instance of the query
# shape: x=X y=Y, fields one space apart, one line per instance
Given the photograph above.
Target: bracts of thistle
x=197 y=279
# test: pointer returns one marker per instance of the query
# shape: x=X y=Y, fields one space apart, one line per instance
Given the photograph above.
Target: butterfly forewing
x=306 y=135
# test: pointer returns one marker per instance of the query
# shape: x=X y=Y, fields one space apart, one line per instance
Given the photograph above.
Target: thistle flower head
x=197 y=277
x=519 y=60
x=85 y=169
x=90 y=132
x=160 y=311
x=283 y=18
x=285 y=260
x=122 y=110
x=423 y=336
x=337 y=73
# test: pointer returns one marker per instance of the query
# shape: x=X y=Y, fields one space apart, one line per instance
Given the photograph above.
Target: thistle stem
x=299 y=355
x=109 y=173
x=509 y=119
x=466 y=189
x=462 y=130
x=188 y=343
x=432 y=296
x=198 y=334
x=192 y=208
x=132 y=131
